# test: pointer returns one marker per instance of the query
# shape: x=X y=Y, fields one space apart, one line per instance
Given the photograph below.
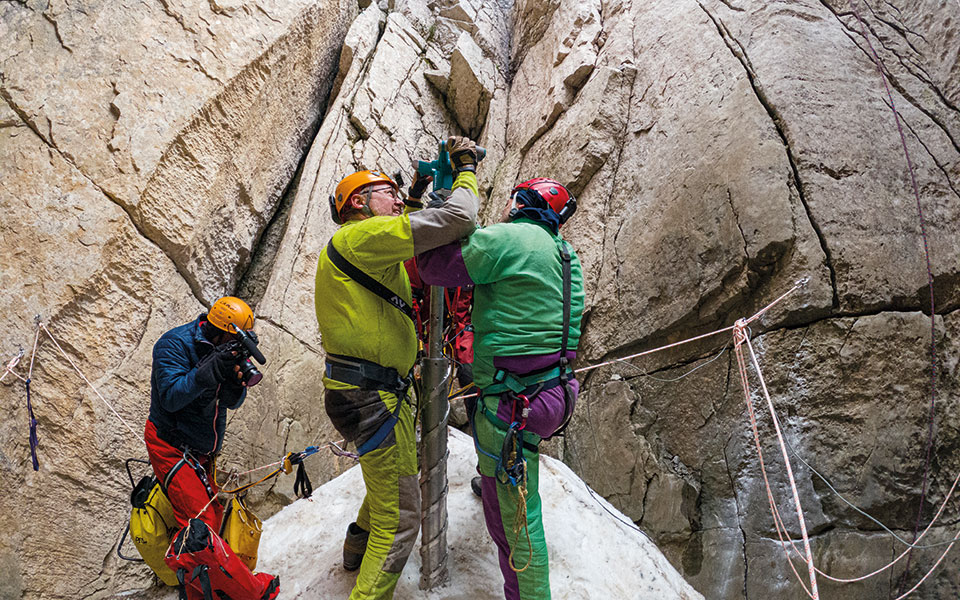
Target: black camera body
x=246 y=347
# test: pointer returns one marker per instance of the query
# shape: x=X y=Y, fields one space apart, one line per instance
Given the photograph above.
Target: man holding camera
x=196 y=378
x=363 y=299
x=201 y=370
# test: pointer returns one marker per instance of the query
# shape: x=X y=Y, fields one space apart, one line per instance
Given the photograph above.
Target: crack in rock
x=743 y=533
x=56 y=30
x=855 y=35
x=941 y=166
x=739 y=52
x=736 y=219
x=194 y=288
x=308 y=345
x=176 y=16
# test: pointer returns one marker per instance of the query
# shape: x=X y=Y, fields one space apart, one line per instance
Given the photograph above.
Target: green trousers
x=509 y=527
x=391 y=506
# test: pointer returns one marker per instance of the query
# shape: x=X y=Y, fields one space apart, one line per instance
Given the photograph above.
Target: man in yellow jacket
x=366 y=324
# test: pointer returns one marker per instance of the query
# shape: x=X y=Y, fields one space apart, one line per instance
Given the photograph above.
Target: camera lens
x=251 y=375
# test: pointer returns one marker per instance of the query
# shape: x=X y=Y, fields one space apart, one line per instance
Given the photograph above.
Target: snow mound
x=592 y=555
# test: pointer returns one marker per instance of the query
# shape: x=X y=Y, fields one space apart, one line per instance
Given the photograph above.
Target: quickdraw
x=301 y=487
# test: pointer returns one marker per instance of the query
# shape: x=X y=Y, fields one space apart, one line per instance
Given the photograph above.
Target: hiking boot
x=354 y=545
x=476 y=484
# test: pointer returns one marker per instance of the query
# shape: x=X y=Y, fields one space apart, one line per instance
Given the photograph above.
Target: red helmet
x=549 y=191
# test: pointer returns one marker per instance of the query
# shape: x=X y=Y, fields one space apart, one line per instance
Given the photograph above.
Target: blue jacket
x=189 y=410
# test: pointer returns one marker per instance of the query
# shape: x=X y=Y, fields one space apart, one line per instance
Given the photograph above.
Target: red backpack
x=206 y=566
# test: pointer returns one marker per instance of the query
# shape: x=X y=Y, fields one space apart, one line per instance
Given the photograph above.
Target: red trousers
x=187 y=492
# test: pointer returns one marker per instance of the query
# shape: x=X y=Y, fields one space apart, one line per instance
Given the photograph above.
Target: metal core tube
x=435 y=409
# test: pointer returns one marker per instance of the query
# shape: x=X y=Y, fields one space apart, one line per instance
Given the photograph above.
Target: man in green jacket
x=363 y=299
x=527 y=306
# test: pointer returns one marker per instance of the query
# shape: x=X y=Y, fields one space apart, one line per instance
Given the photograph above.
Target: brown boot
x=354 y=545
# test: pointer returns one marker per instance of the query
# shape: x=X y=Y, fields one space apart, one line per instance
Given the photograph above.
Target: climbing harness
x=192 y=462
x=516 y=391
x=368 y=375
x=505 y=382
x=565 y=337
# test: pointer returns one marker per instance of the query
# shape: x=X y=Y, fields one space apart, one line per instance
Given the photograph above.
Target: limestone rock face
x=169 y=109
x=156 y=156
x=710 y=180
x=144 y=148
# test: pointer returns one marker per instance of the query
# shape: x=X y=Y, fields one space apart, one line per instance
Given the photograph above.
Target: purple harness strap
x=34 y=440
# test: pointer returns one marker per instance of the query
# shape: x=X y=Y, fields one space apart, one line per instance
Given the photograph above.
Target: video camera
x=246 y=347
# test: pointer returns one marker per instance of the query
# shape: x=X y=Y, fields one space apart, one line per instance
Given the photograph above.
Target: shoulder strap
x=371 y=284
x=567 y=283
x=566 y=258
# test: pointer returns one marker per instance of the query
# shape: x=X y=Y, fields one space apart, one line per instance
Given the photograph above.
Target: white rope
x=799 y=284
x=84 y=377
x=741 y=336
x=745 y=384
x=9 y=368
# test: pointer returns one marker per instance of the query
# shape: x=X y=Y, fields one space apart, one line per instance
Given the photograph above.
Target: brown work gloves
x=463 y=154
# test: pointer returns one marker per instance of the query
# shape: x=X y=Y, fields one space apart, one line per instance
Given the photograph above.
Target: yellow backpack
x=151 y=525
x=241 y=531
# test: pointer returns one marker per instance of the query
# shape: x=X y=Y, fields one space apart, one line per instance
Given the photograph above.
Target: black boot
x=354 y=545
x=476 y=484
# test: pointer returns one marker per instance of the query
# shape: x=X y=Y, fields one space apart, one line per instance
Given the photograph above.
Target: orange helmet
x=230 y=314
x=350 y=184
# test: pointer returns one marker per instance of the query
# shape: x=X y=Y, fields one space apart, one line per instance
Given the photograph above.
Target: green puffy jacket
x=518 y=301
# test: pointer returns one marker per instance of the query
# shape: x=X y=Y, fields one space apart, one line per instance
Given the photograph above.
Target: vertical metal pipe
x=434 y=412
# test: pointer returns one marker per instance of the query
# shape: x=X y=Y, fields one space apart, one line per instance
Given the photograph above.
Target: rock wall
x=757 y=146
x=144 y=148
x=720 y=150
